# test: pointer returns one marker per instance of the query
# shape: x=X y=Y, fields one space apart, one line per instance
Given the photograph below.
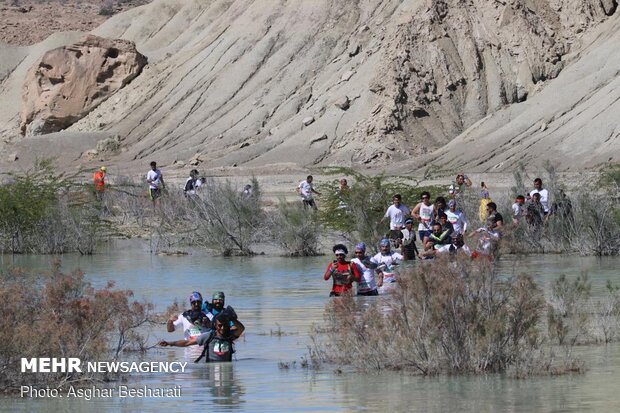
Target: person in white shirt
x=408 y=249
x=397 y=212
x=155 y=180
x=367 y=284
x=424 y=213
x=386 y=260
x=544 y=194
x=193 y=322
x=306 y=190
x=518 y=209
x=456 y=218
x=456 y=190
x=191 y=183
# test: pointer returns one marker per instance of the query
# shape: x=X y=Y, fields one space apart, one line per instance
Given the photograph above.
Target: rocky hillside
x=25 y=22
x=269 y=84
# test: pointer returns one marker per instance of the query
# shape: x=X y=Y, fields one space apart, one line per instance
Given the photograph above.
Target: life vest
x=199 y=321
x=195 y=316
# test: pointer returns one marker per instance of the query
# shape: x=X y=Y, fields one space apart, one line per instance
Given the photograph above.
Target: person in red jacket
x=342 y=272
x=99 y=182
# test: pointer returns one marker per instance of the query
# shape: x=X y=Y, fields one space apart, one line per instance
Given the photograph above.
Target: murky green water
x=270 y=293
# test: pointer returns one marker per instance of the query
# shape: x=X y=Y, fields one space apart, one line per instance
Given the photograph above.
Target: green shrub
x=356 y=214
x=42 y=211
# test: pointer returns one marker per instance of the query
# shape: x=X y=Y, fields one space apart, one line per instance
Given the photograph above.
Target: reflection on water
x=289 y=294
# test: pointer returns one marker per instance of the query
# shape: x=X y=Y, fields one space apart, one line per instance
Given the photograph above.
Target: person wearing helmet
x=99 y=182
x=216 y=307
x=367 y=284
x=193 y=321
x=217 y=304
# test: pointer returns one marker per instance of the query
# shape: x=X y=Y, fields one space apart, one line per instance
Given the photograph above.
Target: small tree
x=27 y=201
x=356 y=213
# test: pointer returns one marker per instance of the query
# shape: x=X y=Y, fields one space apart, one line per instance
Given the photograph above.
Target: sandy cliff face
x=335 y=82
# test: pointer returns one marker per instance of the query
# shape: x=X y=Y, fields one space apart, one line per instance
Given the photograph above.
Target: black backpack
x=205 y=350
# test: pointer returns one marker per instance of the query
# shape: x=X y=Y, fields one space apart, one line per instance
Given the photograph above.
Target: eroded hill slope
x=335 y=82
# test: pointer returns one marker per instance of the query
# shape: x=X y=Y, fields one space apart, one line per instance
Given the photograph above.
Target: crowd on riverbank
x=442 y=218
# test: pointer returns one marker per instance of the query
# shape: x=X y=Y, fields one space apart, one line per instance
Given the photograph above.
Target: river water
x=289 y=295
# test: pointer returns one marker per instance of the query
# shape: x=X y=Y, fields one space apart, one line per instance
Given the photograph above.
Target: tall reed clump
x=62 y=315
x=446 y=316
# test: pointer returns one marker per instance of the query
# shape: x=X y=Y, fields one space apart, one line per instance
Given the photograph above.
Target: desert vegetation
x=455 y=316
x=42 y=211
x=62 y=315
x=585 y=221
x=355 y=214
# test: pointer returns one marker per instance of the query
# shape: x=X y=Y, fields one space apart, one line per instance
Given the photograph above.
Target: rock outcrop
x=68 y=82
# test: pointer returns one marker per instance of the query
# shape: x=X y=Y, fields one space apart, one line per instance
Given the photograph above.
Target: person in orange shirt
x=99 y=182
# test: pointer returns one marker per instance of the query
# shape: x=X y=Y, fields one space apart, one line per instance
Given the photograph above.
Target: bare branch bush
x=66 y=317
x=567 y=311
x=447 y=316
x=220 y=218
x=586 y=221
x=128 y=201
x=294 y=229
x=607 y=315
x=456 y=316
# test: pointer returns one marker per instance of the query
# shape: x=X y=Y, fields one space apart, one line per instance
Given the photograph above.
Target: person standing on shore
x=456 y=217
x=457 y=189
x=409 y=250
x=544 y=194
x=485 y=199
x=156 y=183
x=306 y=190
x=518 y=210
x=99 y=182
x=190 y=183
